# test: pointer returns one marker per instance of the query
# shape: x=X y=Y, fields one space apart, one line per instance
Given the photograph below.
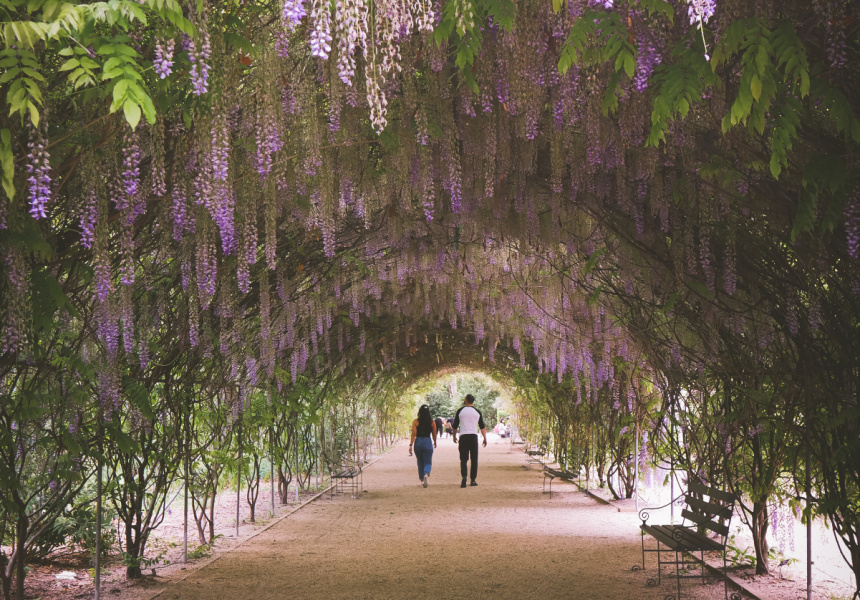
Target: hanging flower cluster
x=700 y=11
x=163 y=62
x=39 y=168
x=351 y=19
x=293 y=12
x=320 y=37
x=199 y=53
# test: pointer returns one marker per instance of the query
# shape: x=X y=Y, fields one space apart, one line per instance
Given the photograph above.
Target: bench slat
x=705 y=522
x=658 y=533
x=690 y=539
x=722 y=496
x=711 y=492
x=709 y=509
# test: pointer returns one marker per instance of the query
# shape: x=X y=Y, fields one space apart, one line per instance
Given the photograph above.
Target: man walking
x=440 y=426
x=469 y=421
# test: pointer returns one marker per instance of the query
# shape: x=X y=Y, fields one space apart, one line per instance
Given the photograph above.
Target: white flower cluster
x=424 y=16
x=394 y=21
x=351 y=20
x=375 y=96
x=465 y=16
x=321 y=31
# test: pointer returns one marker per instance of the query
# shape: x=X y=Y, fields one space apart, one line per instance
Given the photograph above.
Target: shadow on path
x=502 y=539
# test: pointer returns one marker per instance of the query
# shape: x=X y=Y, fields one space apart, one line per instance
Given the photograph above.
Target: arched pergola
x=224 y=222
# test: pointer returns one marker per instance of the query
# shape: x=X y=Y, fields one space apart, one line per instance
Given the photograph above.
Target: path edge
x=713 y=570
x=202 y=565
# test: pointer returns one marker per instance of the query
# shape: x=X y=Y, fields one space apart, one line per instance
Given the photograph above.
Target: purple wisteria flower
x=293 y=12
x=39 y=168
x=647 y=59
x=199 y=57
x=700 y=11
x=89 y=216
x=163 y=62
x=852 y=224
x=320 y=37
x=130 y=164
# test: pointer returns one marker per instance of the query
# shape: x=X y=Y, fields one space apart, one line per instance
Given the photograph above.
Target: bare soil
x=504 y=538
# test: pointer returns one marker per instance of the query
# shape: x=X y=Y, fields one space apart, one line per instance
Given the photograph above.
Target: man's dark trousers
x=469 y=449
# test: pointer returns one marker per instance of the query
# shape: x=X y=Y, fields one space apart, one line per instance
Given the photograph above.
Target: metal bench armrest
x=644 y=515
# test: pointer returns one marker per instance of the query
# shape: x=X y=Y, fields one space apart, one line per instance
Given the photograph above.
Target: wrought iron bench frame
x=551 y=474
x=700 y=516
x=343 y=476
x=534 y=456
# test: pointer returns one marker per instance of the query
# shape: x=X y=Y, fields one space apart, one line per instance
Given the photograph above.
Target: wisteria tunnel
x=242 y=241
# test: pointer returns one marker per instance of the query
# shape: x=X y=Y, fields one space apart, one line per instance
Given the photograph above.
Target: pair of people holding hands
x=468 y=421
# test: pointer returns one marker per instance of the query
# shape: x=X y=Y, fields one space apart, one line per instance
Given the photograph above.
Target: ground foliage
x=648 y=219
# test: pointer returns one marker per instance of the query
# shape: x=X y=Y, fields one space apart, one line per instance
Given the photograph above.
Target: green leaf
x=132 y=112
x=240 y=42
x=700 y=288
x=71 y=444
x=139 y=396
x=70 y=64
x=670 y=303
x=629 y=64
x=7 y=162
x=805 y=219
x=120 y=91
x=592 y=260
x=755 y=87
x=123 y=441
x=9 y=75
x=148 y=109
x=34 y=114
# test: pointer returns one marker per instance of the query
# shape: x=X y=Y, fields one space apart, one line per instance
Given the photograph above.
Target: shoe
x=463 y=483
x=474 y=483
x=424 y=481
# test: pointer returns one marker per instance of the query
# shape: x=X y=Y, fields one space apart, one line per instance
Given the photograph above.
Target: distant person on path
x=469 y=420
x=422 y=428
x=440 y=426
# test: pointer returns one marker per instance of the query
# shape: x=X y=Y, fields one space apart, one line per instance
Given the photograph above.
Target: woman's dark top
x=424 y=430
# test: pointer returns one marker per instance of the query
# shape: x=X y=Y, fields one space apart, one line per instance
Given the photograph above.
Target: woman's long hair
x=424 y=418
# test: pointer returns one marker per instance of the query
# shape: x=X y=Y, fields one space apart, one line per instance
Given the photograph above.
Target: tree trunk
x=212 y=517
x=133 y=572
x=253 y=489
x=204 y=519
x=5 y=578
x=855 y=566
x=615 y=495
x=21 y=552
x=284 y=479
x=759 y=524
x=133 y=552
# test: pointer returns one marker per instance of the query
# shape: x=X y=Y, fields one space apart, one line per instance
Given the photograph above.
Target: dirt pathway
x=502 y=539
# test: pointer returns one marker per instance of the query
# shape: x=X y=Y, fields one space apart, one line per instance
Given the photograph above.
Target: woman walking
x=422 y=428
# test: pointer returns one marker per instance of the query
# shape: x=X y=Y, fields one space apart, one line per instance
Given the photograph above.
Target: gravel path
x=502 y=539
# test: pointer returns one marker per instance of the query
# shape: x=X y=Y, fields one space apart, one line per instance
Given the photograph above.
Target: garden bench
x=707 y=515
x=343 y=476
x=534 y=456
x=551 y=474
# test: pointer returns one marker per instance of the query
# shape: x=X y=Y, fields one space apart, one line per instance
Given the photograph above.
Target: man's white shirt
x=469 y=420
